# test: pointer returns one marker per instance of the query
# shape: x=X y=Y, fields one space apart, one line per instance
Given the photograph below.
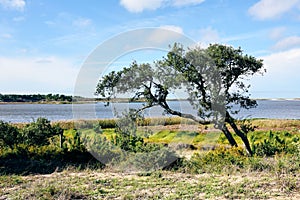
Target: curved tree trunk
x=241 y=134
x=229 y=136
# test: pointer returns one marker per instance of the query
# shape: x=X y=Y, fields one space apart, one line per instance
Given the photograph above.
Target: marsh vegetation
x=54 y=163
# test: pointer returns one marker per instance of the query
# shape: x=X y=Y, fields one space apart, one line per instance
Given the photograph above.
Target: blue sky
x=44 y=43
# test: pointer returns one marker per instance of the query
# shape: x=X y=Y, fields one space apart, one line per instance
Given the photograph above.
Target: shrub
x=275 y=143
x=126 y=150
x=38 y=133
x=101 y=148
x=126 y=135
x=73 y=141
x=148 y=161
x=9 y=135
x=107 y=123
x=219 y=160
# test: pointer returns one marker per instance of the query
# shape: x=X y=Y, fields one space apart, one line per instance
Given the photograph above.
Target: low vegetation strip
x=44 y=160
x=96 y=184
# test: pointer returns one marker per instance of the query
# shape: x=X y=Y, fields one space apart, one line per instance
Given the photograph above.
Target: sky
x=44 y=43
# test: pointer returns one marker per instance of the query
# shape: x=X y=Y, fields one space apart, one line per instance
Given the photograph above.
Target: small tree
x=213 y=78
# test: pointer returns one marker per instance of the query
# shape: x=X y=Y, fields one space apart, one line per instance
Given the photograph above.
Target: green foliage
x=275 y=143
x=32 y=152
x=9 y=135
x=101 y=148
x=129 y=142
x=73 y=141
x=218 y=160
x=126 y=137
x=126 y=134
x=38 y=132
x=128 y=149
x=125 y=148
x=107 y=123
x=207 y=75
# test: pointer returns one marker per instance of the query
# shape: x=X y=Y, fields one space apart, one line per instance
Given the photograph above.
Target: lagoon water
x=275 y=109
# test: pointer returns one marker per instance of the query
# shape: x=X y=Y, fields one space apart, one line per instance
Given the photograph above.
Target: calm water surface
x=284 y=109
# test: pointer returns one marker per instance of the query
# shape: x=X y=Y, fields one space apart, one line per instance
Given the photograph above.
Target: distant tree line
x=34 y=97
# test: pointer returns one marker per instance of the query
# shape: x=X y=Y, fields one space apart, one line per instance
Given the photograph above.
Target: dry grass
x=277 y=124
x=182 y=124
x=88 y=184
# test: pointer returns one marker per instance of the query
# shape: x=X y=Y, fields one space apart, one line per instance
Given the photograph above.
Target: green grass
x=198 y=139
x=186 y=137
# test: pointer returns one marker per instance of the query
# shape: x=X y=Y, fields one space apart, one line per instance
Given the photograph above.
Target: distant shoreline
x=123 y=101
x=46 y=102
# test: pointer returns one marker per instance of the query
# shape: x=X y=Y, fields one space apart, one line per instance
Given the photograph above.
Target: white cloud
x=31 y=75
x=282 y=61
x=287 y=43
x=141 y=5
x=269 y=9
x=13 y=4
x=186 y=2
x=282 y=76
x=173 y=28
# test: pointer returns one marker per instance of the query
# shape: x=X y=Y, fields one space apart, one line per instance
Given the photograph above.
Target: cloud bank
x=37 y=74
x=137 y=6
x=13 y=4
x=287 y=43
x=270 y=9
x=282 y=77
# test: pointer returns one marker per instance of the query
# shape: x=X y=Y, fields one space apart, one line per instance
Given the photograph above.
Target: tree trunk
x=229 y=136
x=242 y=135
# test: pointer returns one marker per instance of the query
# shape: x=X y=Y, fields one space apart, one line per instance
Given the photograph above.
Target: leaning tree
x=213 y=79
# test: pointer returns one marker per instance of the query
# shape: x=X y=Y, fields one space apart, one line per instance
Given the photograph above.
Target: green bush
x=275 y=143
x=38 y=133
x=9 y=135
x=101 y=148
x=25 y=151
x=107 y=123
x=126 y=136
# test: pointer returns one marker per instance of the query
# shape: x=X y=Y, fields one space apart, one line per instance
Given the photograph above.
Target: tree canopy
x=213 y=78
